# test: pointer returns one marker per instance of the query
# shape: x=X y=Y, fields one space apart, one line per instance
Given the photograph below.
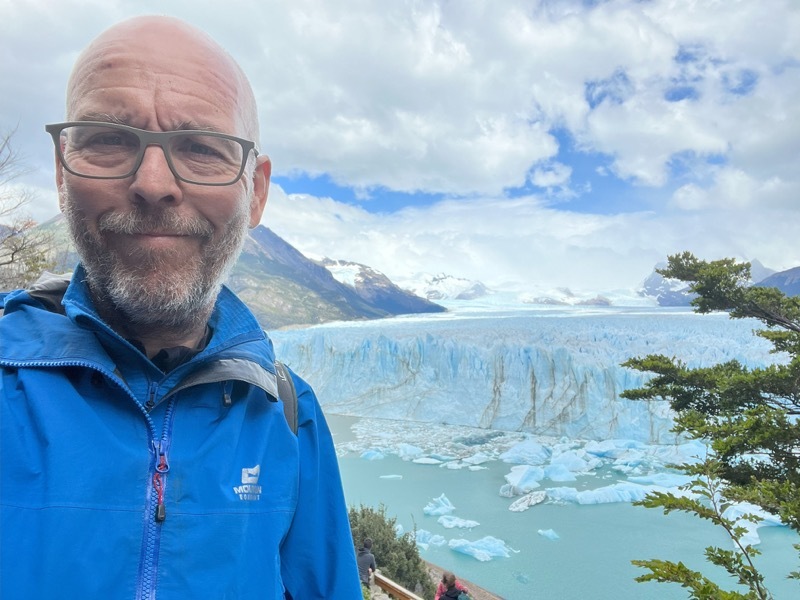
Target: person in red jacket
x=449 y=582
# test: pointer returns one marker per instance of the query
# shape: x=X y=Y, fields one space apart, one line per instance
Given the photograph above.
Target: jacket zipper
x=155 y=511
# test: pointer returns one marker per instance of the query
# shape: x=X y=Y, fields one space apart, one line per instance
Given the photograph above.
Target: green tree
x=749 y=418
x=397 y=557
x=24 y=250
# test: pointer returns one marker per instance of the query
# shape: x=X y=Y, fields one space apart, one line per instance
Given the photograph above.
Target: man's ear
x=59 y=181
x=261 y=176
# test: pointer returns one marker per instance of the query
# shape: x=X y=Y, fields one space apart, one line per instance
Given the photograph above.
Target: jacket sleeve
x=318 y=556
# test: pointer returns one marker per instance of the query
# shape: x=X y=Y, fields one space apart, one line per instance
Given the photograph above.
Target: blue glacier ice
x=552 y=372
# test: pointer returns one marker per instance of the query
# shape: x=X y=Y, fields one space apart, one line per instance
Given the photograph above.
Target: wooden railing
x=395 y=590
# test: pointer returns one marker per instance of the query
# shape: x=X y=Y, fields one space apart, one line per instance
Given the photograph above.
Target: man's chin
x=157 y=294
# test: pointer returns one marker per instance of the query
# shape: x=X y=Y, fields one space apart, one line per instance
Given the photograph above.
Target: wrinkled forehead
x=165 y=56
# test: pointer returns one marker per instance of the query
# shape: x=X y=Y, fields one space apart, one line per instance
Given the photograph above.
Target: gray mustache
x=165 y=223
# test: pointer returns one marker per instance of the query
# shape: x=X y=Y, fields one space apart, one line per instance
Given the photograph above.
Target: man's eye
x=111 y=139
x=197 y=148
x=108 y=140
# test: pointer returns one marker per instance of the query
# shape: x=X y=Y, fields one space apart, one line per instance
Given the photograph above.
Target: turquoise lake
x=591 y=558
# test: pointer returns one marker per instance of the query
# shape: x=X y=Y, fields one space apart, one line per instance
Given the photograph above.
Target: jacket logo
x=249 y=490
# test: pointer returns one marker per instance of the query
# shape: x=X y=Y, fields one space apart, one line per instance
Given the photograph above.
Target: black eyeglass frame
x=146 y=139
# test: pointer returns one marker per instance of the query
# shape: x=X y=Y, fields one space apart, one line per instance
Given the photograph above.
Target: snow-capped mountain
x=445 y=287
x=673 y=292
x=377 y=289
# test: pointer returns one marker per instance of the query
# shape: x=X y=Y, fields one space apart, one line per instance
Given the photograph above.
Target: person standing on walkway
x=366 y=562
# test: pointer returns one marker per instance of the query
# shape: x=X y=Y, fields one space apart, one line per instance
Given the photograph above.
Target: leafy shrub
x=397 y=557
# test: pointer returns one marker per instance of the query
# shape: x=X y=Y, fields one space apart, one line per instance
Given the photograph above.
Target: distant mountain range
x=673 y=292
x=446 y=287
x=787 y=281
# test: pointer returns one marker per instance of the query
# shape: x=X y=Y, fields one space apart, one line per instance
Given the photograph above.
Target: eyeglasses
x=110 y=151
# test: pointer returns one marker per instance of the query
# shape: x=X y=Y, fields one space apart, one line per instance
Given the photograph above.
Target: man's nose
x=154 y=181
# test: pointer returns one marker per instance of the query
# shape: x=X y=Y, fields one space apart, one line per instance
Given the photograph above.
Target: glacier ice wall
x=551 y=372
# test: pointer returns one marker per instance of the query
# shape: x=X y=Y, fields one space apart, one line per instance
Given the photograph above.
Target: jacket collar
x=238 y=344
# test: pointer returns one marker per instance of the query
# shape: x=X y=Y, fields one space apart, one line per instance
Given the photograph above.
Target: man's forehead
x=167 y=55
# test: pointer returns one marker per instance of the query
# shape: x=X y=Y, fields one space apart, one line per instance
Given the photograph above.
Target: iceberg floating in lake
x=426 y=460
x=409 y=452
x=425 y=539
x=528 y=452
x=528 y=500
x=372 y=454
x=449 y=522
x=667 y=480
x=736 y=512
x=477 y=459
x=618 y=492
x=559 y=473
x=390 y=477
x=524 y=478
x=439 y=506
x=549 y=534
x=577 y=461
x=484 y=549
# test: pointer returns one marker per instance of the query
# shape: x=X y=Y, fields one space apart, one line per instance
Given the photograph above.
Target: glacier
x=542 y=370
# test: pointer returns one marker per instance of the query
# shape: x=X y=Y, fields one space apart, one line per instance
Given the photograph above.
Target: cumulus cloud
x=691 y=105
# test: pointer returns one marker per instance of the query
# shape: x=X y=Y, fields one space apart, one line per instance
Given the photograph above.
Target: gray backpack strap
x=287 y=394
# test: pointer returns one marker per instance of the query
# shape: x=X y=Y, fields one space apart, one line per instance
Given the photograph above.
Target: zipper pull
x=159 y=482
x=158 y=485
x=151 y=397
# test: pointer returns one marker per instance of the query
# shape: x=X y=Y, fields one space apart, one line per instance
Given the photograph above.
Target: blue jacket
x=121 y=482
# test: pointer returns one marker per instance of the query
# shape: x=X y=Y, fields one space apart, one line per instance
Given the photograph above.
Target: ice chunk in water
x=372 y=454
x=523 y=478
x=529 y=452
x=439 y=506
x=425 y=538
x=559 y=473
x=409 y=452
x=549 y=534
x=484 y=549
x=449 y=522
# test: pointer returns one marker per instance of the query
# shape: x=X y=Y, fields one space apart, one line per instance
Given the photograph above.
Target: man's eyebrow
x=195 y=126
x=104 y=118
x=125 y=120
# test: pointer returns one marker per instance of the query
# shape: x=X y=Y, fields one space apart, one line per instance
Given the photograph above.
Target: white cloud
x=524 y=241
x=462 y=99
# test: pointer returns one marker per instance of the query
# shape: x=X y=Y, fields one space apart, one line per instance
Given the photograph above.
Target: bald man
x=145 y=452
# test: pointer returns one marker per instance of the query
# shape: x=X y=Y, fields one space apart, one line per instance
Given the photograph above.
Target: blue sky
x=526 y=144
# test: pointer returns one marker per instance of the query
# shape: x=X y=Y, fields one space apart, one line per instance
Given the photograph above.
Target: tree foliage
x=749 y=418
x=24 y=250
x=397 y=557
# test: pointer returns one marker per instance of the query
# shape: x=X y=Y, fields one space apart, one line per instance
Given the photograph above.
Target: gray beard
x=156 y=295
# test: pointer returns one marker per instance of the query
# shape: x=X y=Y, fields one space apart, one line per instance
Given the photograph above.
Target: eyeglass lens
x=107 y=151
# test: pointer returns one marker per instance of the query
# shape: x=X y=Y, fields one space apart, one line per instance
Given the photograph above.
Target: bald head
x=169 y=51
